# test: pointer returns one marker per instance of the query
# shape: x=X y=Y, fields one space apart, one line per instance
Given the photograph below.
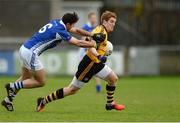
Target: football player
x=92 y=64
x=49 y=36
x=89 y=26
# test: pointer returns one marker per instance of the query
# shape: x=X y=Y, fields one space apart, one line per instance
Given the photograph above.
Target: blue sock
x=98 y=88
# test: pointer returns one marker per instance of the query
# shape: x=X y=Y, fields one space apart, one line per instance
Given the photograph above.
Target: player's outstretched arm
x=82 y=43
x=98 y=37
x=80 y=32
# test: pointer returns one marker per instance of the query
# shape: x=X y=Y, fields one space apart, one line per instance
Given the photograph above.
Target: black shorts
x=87 y=69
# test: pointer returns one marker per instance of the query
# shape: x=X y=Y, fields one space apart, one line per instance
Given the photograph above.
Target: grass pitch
x=146 y=99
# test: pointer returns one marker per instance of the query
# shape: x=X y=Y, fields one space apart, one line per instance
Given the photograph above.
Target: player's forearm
x=94 y=51
x=82 y=32
x=86 y=44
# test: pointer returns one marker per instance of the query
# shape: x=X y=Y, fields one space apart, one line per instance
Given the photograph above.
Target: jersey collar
x=104 y=28
x=61 y=22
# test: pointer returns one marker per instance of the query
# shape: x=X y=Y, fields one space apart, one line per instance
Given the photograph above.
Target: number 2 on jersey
x=47 y=26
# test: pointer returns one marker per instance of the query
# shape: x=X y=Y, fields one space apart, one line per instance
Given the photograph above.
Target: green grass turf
x=146 y=99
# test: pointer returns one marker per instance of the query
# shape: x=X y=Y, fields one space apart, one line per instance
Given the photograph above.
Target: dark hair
x=70 y=18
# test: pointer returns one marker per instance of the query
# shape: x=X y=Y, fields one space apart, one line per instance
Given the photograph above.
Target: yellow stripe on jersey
x=102 y=47
x=85 y=71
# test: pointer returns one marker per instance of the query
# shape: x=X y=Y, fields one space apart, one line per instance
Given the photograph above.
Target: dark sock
x=58 y=94
x=110 y=93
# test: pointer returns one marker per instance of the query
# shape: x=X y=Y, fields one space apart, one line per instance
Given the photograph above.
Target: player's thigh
x=26 y=74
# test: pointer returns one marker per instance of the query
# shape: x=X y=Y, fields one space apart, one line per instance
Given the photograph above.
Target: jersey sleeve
x=96 y=30
x=65 y=35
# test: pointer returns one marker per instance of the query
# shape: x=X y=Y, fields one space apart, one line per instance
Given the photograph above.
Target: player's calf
x=41 y=102
x=58 y=94
x=70 y=90
x=41 y=84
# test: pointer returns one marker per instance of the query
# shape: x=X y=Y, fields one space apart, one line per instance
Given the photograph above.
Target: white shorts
x=29 y=59
x=103 y=74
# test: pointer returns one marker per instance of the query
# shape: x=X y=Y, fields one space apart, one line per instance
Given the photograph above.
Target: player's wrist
x=91 y=34
x=94 y=44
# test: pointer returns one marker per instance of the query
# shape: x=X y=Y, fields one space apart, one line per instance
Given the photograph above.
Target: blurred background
x=146 y=38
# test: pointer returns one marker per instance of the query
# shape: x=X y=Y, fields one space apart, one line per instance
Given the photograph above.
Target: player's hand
x=98 y=37
x=87 y=39
x=103 y=59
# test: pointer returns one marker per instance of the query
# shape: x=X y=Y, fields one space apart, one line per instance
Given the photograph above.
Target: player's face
x=93 y=19
x=110 y=24
x=69 y=26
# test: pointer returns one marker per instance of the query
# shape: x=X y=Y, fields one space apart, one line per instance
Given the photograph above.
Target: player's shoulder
x=58 y=24
x=99 y=29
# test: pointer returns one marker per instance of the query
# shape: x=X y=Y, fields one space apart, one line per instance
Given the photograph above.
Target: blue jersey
x=48 y=37
x=88 y=27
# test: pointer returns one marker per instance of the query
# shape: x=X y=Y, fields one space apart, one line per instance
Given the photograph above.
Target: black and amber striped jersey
x=102 y=46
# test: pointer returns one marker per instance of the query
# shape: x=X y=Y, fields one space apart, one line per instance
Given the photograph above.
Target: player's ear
x=68 y=25
x=104 y=21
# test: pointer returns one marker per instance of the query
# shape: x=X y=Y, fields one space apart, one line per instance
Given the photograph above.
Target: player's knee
x=41 y=83
x=72 y=92
x=112 y=79
x=115 y=78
